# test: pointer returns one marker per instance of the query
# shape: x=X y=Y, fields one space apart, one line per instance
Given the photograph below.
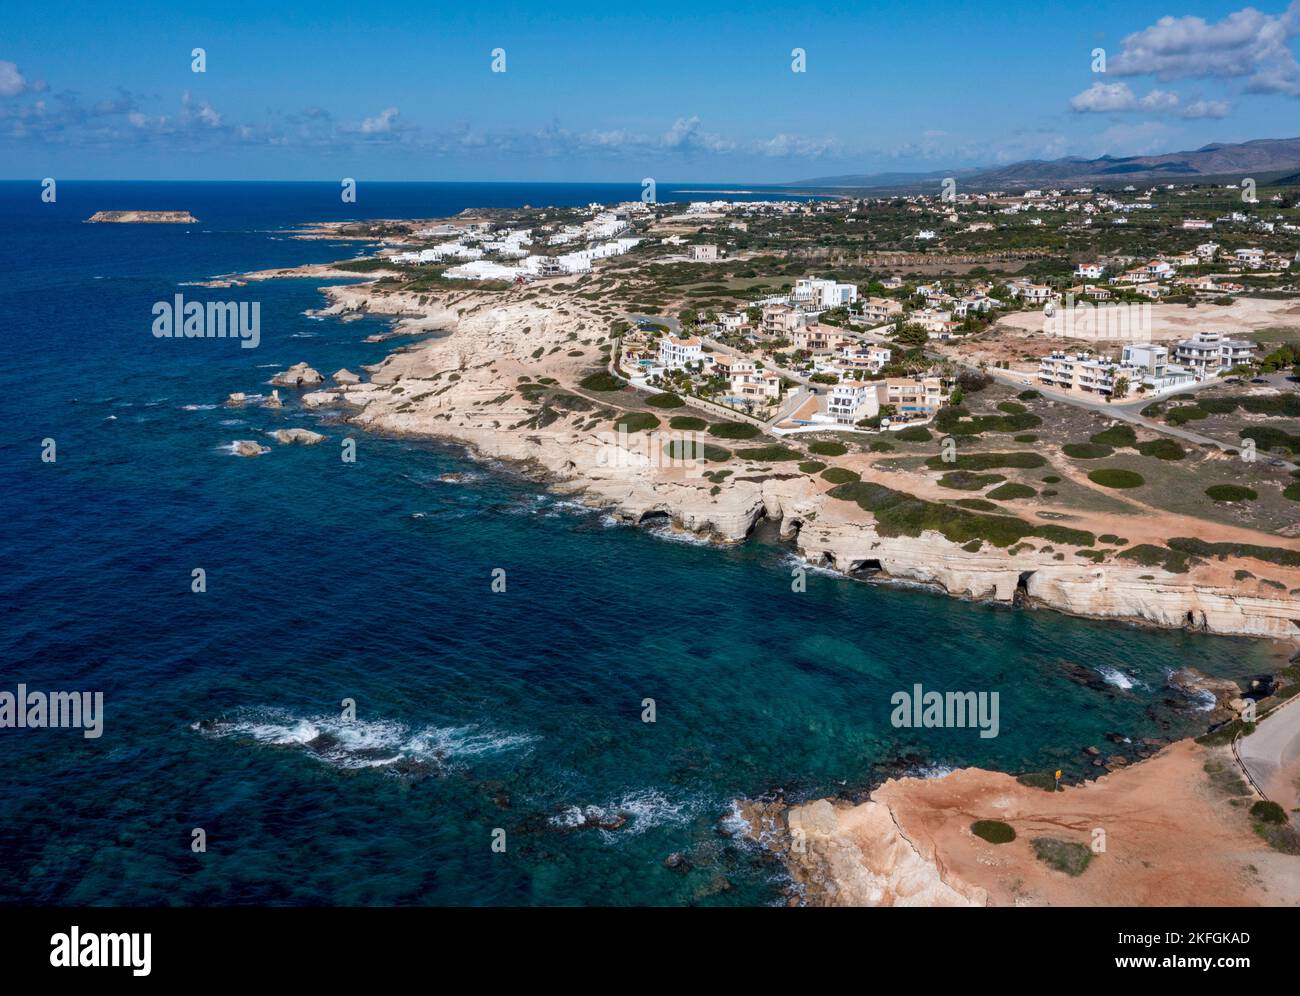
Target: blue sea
x=476 y=711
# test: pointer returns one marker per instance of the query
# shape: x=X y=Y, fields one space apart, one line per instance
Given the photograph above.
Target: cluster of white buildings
x=912 y=398
x=1202 y=357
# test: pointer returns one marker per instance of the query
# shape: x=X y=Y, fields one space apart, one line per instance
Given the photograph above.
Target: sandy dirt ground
x=1161 y=833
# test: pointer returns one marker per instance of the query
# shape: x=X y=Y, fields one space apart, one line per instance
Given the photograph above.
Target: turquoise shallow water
x=475 y=711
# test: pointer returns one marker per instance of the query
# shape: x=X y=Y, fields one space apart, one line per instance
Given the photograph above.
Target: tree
x=1121 y=387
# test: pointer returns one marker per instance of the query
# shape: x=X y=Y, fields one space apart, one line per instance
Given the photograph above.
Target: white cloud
x=382 y=123
x=1246 y=43
x=1118 y=98
x=13 y=83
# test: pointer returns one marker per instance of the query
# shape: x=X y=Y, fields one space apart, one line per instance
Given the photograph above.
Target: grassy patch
x=1063 y=855
x=976 y=504
x=812 y=466
x=1116 y=477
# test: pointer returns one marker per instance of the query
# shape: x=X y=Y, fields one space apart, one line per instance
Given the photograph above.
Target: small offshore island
x=920 y=417
x=141 y=218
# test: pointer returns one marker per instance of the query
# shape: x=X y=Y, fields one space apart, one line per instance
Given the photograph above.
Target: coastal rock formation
x=1169 y=836
x=236 y=398
x=297 y=435
x=345 y=376
x=248 y=448
x=298 y=375
x=465 y=387
x=142 y=218
x=273 y=401
x=845 y=855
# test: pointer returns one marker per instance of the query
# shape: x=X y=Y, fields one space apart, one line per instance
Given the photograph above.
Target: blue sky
x=677 y=91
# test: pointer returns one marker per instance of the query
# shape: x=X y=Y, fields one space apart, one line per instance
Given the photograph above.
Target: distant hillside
x=1265 y=159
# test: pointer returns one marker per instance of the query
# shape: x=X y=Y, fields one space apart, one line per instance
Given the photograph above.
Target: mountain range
x=1266 y=160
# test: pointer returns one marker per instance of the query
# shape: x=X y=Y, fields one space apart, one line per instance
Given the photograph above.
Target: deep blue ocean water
x=371 y=581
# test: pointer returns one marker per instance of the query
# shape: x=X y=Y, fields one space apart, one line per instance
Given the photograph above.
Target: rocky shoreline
x=462 y=387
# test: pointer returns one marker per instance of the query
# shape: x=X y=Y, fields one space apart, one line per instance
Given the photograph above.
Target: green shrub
x=812 y=466
x=1269 y=554
x=1063 y=855
x=1268 y=812
x=977 y=504
x=1116 y=477
x=914 y=434
x=1162 y=449
x=1292 y=491
x=840 y=475
x=1116 y=436
x=769 y=454
x=689 y=449
x=733 y=430
x=987 y=461
x=1087 y=451
x=688 y=423
x=900 y=514
x=636 y=421
x=828 y=448
x=1029 y=395
x=1150 y=555
x=880 y=446
x=1027 y=438
x=1051 y=479
x=1039 y=780
x=994 y=831
x=1231 y=492
x=665 y=400
x=1012 y=408
x=601 y=381
x=965 y=480
x=1010 y=491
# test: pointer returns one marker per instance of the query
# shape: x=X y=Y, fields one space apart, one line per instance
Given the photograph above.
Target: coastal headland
x=536 y=372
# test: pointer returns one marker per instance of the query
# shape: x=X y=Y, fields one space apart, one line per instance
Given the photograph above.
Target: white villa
x=675 y=353
x=1207 y=353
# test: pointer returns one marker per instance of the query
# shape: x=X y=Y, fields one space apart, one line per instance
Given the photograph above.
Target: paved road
x=1274 y=746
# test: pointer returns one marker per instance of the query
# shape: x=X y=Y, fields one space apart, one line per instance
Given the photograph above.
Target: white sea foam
x=361 y=743
x=643 y=809
x=198 y=408
x=1113 y=676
